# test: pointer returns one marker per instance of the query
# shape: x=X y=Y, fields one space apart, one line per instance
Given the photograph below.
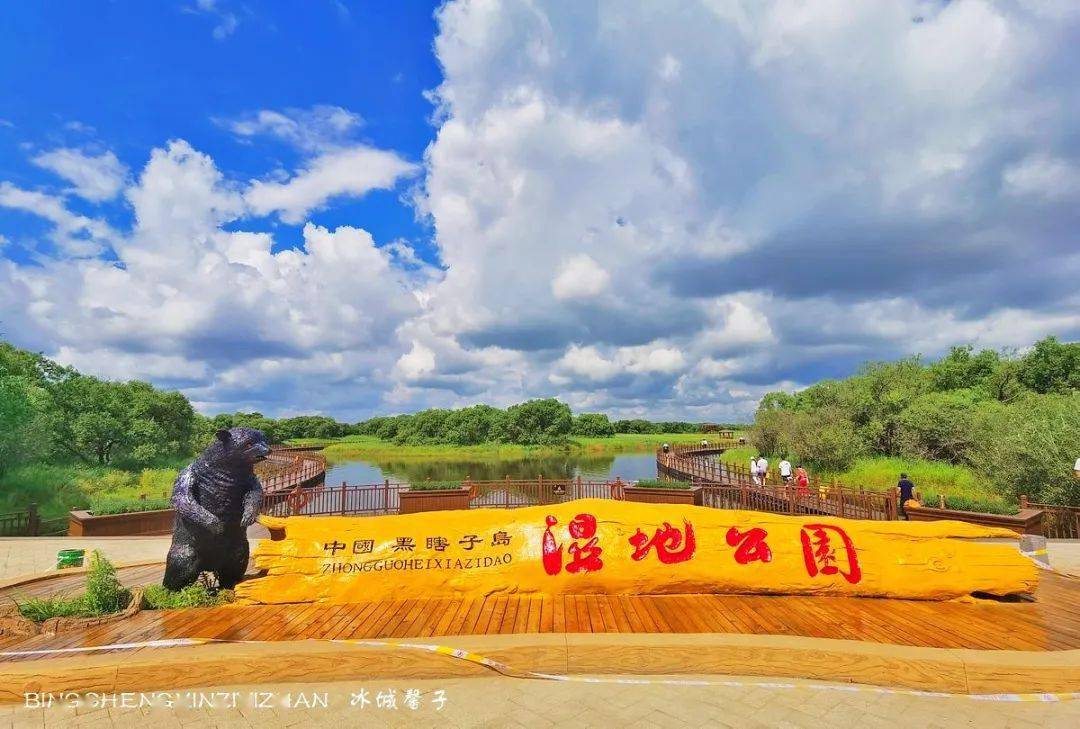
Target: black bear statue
x=216 y=499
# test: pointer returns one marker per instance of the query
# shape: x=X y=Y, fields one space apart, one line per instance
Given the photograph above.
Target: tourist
x=907 y=493
x=1076 y=468
x=785 y=470
x=763 y=469
x=802 y=479
x=666 y=447
x=753 y=470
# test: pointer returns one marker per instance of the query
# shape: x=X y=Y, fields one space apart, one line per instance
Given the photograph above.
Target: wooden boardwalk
x=1050 y=623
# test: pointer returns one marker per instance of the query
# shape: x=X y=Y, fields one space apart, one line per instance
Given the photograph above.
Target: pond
x=627 y=466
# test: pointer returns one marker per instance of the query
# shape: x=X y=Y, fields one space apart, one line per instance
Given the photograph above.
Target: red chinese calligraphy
x=667 y=541
x=583 y=557
x=819 y=554
x=750 y=545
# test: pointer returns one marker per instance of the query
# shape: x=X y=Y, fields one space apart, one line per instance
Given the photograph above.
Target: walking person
x=802 y=480
x=754 y=476
x=785 y=470
x=763 y=469
x=907 y=493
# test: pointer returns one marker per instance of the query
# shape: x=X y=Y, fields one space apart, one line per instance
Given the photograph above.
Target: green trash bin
x=70 y=558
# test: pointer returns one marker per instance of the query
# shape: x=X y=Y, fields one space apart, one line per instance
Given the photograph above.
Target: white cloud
x=319 y=128
x=95 y=177
x=647 y=214
x=75 y=235
x=1042 y=176
x=580 y=277
x=224 y=316
x=226 y=21
x=350 y=172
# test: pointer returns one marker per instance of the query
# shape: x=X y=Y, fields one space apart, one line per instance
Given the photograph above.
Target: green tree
x=20 y=436
x=537 y=422
x=826 y=440
x=962 y=369
x=943 y=426
x=1052 y=366
x=1031 y=447
x=473 y=425
x=593 y=425
x=772 y=431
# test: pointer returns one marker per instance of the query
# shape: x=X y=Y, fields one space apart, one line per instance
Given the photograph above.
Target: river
x=627 y=466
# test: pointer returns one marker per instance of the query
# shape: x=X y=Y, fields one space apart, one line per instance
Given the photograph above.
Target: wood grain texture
x=1050 y=623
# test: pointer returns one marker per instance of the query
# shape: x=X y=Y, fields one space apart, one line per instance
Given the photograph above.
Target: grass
x=653 y=483
x=157 y=597
x=104 y=595
x=59 y=488
x=368 y=446
x=108 y=504
x=961 y=486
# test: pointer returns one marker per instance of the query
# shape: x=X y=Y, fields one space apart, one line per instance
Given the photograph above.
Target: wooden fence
x=730 y=486
x=383 y=498
x=1059 y=522
x=287 y=468
x=20 y=523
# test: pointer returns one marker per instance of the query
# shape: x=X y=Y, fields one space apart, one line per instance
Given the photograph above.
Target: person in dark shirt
x=907 y=492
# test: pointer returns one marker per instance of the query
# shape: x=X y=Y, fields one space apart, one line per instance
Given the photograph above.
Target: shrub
x=826 y=440
x=593 y=425
x=157 y=597
x=537 y=422
x=157 y=481
x=653 y=483
x=435 y=485
x=103 y=505
x=942 y=425
x=1031 y=447
x=104 y=593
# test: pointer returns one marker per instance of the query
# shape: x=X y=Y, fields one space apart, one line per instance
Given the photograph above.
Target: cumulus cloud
x=73 y=234
x=580 y=277
x=215 y=311
x=95 y=177
x=349 y=172
x=647 y=214
x=773 y=191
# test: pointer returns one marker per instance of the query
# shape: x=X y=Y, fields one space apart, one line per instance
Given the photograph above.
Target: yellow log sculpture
x=595 y=546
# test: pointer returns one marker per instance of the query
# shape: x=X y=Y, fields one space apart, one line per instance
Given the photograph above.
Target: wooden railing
x=287 y=468
x=20 y=523
x=1059 y=522
x=383 y=498
x=731 y=486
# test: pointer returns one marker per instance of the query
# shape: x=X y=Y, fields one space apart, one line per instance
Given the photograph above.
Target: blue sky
x=358 y=208
x=129 y=75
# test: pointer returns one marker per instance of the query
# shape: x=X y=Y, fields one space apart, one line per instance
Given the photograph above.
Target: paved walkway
x=507 y=702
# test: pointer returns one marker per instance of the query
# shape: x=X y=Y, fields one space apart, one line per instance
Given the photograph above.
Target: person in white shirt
x=1076 y=468
x=762 y=469
x=753 y=470
x=785 y=470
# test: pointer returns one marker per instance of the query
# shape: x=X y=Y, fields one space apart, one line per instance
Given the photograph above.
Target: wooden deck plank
x=547 y=615
x=509 y=618
x=1050 y=623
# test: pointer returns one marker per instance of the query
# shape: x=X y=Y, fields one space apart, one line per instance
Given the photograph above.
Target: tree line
x=1014 y=419
x=53 y=413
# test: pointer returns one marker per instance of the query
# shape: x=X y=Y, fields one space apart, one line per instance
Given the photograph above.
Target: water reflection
x=628 y=466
